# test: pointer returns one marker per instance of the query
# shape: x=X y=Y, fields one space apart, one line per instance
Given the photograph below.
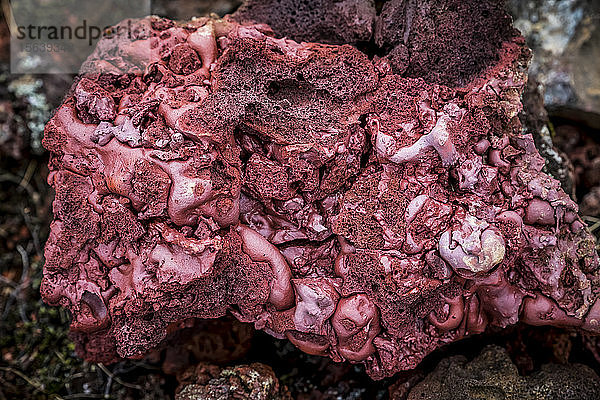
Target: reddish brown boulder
x=365 y=215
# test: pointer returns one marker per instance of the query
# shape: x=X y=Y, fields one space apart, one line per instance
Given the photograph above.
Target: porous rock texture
x=209 y=382
x=365 y=212
x=492 y=375
x=535 y=121
x=323 y=21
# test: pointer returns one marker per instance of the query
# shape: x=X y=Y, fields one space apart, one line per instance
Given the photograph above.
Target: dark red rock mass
x=363 y=211
x=442 y=41
x=323 y=21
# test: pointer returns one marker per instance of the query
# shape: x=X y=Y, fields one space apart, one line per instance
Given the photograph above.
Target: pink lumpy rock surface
x=209 y=167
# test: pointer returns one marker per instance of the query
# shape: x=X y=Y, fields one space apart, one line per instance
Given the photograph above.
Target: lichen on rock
x=492 y=375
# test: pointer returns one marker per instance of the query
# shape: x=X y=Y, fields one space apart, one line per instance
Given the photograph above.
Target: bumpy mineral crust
x=207 y=167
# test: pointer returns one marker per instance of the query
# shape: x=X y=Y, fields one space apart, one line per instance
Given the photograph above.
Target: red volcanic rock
x=443 y=41
x=365 y=215
x=323 y=21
